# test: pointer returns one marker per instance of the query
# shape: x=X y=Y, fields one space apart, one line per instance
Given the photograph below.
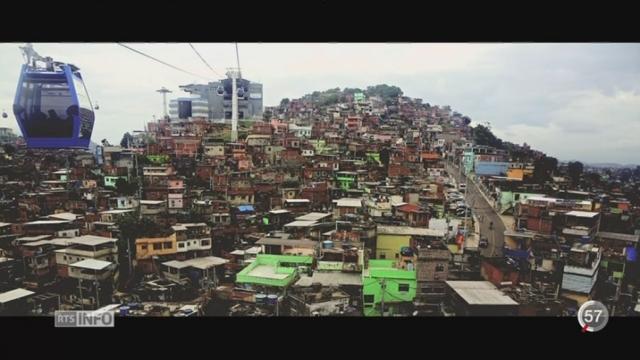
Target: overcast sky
x=572 y=101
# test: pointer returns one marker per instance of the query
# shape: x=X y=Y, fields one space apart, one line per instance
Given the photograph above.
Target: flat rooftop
x=46 y=222
x=268 y=272
x=92 y=264
x=480 y=293
x=582 y=214
x=330 y=278
x=313 y=216
x=408 y=230
x=300 y=223
x=14 y=294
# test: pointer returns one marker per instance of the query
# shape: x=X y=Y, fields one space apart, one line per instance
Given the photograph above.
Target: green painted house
x=346 y=179
x=110 y=181
x=319 y=145
x=273 y=270
x=374 y=157
x=468 y=159
x=507 y=199
x=158 y=159
x=382 y=282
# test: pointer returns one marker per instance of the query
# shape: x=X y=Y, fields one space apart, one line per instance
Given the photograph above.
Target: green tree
x=574 y=170
x=9 y=149
x=125 y=188
x=482 y=135
x=384 y=91
x=127 y=139
x=131 y=228
x=544 y=168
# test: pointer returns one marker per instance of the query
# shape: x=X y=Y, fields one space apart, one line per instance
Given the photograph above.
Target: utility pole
x=81 y=296
x=383 y=287
x=97 y=285
x=467 y=205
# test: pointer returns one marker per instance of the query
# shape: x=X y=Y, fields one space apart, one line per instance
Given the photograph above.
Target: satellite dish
x=97 y=107
x=240 y=92
x=4 y=114
x=220 y=90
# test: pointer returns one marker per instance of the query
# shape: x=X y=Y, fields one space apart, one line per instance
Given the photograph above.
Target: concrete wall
x=390 y=245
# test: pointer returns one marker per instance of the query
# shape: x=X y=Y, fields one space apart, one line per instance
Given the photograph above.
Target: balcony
x=86 y=274
x=194 y=244
x=579 y=231
x=153 y=211
x=92 y=254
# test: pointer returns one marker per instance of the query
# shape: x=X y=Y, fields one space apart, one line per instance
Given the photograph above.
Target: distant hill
x=611 y=165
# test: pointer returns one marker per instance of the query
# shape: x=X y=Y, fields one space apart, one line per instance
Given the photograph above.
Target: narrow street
x=484 y=212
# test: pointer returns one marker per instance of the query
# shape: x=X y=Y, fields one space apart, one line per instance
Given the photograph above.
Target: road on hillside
x=484 y=212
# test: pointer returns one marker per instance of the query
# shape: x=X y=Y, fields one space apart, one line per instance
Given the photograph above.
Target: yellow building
x=519 y=171
x=515 y=174
x=148 y=247
x=390 y=239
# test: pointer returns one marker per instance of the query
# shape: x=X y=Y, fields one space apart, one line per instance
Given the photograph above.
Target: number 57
x=588 y=315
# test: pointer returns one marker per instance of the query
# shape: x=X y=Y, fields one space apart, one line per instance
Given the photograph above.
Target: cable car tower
x=164 y=91
x=234 y=75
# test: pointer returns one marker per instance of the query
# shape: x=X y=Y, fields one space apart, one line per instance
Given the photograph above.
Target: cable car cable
x=204 y=61
x=162 y=62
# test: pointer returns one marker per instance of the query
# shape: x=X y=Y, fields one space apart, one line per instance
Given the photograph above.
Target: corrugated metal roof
x=14 y=294
x=349 y=202
x=313 y=216
x=91 y=240
x=92 y=264
x=286 y=242
x=300 y=224
x=584 y=214
x=619 y=236
x=46 y=222
x=65 y=216
x=408 y=230
x=480 y=293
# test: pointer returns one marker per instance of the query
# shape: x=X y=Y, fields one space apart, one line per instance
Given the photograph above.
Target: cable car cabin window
x=87 y=117
x=49 y=109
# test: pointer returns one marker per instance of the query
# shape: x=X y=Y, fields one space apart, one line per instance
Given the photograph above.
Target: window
x=157 y=246
x=205 y=242
x=439 y=267
x=167 y=245
x=403 y=287
x=368 y=299
x=144 y=247
x=397 y=255
x=64 y=257
x=517 y=197
x=181 y=245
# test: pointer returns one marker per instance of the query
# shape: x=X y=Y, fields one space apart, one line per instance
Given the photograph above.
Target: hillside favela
x=457 y=180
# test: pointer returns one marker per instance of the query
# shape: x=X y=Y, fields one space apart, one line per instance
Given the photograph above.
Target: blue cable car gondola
x=52 y=105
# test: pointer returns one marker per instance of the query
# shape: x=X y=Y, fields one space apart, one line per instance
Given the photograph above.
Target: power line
x=162 y=62
x=203 y=60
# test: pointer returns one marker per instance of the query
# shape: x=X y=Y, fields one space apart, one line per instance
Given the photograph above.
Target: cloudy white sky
x=572 y=101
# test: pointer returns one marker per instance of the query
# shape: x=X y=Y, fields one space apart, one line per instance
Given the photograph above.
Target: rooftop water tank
x=261 y=299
